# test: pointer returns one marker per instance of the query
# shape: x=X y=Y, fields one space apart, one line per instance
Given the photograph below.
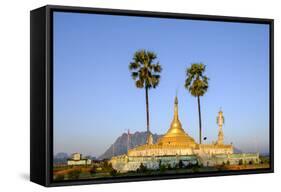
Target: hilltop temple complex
x=176 y=145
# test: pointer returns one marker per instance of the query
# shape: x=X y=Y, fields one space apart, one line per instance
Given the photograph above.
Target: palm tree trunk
x=200 y=128
x=147 y=113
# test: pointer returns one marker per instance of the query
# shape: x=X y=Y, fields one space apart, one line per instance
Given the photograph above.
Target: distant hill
x=60 y=157
x=236 y=150
x=120 y=145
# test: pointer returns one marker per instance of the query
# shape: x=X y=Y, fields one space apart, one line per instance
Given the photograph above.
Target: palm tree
x=197 y=84
x=146 y=74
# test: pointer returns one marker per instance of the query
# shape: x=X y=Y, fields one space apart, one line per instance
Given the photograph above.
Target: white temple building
x=76 y=159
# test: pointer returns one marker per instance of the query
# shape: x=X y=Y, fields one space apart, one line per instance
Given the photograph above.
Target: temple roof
x=176 y=134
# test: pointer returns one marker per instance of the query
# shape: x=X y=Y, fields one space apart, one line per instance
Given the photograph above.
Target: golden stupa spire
x=176 y=134
x=176 y=124
x=176 y=112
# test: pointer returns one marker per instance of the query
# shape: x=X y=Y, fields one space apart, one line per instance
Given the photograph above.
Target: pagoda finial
x=176 y=98
x=176 y=108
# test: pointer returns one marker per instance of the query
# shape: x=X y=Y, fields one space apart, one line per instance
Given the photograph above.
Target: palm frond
x=144 y=71
x=134 y=65
x=156 y=67
x=196 y=83
x=139 y=83
x=155 y=79
x=135 y=75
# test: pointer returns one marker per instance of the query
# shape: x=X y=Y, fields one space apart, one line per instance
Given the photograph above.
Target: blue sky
x=95 y=98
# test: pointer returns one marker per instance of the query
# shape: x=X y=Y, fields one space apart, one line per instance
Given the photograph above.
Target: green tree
x=197 y=84
x=169 y=166
x=113 y=172
x=142 y=168
x=93 y=170
x=146 y=74
x=162 y=168
x=181 y=164
x=240 y=162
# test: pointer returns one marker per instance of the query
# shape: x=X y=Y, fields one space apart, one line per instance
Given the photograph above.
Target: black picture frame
x=41 y=91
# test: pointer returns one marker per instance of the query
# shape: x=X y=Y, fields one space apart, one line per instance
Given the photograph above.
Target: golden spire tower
x=176 y=134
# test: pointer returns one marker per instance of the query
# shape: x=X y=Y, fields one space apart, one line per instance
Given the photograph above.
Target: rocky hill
x=121 y=144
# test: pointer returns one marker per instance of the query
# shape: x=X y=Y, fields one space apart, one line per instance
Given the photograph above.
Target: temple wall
x=231 y=159
x=211 y=149
x=161 y=152
x=158 y=150
x=124 y=163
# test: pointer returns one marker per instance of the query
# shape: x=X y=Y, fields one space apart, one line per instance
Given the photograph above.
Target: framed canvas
x=122 y=95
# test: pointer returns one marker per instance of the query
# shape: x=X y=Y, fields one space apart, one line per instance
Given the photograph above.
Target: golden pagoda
x=174 y=146
x=176 y=134
x=175 y=142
